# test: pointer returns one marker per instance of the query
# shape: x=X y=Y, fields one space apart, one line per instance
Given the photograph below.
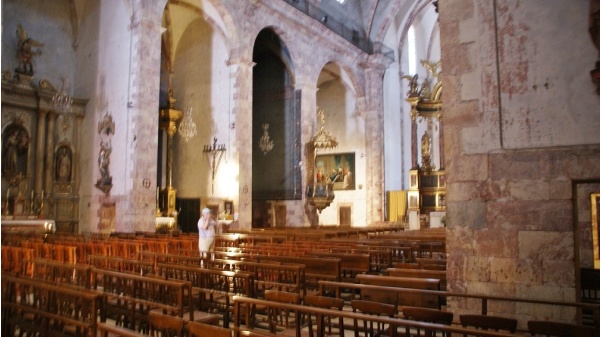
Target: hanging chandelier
x=187 y=128
x=265 y=143
x=61 y=101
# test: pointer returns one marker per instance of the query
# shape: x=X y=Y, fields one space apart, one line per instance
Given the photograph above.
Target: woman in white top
x=206 y=232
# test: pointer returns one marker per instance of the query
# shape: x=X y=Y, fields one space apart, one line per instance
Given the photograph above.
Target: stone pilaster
x=309 y=117
x=50 y=153
x=140 y=204
x=374 y=70
x=39 y=153
x=241 y=74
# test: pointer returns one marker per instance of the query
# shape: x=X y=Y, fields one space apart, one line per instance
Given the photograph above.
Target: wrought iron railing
x=351 y=35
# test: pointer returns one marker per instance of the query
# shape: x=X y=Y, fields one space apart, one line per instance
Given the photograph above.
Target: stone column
x=414 y=154
x=77 y=154
x=441 y=142
x=141 y=147
x=49 y=179
x=374 y=70
x=309 y=121
x=241 y=75
x=40 y=151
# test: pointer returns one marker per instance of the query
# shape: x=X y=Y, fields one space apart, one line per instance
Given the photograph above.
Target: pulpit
x=318 y=192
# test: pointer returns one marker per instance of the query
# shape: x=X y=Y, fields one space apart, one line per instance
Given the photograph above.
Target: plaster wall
x=122 y=84
x=46 y=22
x=201 y=81
x=343 y=121
x=109 y=54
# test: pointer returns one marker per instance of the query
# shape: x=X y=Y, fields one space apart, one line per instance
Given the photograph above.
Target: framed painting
x=228 y=207
x=595 y=209
x=337 y=168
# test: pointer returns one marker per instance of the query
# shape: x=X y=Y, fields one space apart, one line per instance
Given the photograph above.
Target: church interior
x=342 y=147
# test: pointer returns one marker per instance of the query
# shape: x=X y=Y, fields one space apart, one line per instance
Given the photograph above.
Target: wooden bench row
x=389 y=288
x=44 y=309
x=126 y=297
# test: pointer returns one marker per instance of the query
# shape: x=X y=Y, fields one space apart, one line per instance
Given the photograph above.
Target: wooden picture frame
x=214 y=210
x=338 y=168
x=228 y=207
x=595 y=212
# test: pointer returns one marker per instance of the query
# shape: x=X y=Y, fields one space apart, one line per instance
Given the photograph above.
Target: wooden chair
x=204 y=330
x=327 y=303
x=370 y=328
x=590 y=292
x=427 y=315
x=560 y=329
x=109 y=330
x=165 y=325
x=282 y=317
x=486 y=322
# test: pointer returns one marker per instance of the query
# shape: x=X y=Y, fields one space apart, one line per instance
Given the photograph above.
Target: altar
x=166 y=224
x=42 y=226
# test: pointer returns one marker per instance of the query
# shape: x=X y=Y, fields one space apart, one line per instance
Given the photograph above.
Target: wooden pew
x=432 y=263
x=244 y=325
x=408 y=299
x=316 y=269
x=60 y=273
x=128 y=297
x=328 y=268
x=111 y=330
x=36 y=307
x=419 y=273
x=13 y=257
x=351 y=265
x=213 y=288
x=156 y=258
x=121 y=264
x=282 y=277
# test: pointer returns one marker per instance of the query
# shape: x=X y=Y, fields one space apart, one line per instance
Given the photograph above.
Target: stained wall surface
x=522 y=122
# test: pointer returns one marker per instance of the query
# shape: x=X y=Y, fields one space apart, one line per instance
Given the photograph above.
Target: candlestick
x=7 y=212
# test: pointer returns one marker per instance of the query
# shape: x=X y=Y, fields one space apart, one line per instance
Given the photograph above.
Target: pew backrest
x=401 y=299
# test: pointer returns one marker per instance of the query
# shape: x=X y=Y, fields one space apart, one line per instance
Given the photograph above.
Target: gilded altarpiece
x=40 y=152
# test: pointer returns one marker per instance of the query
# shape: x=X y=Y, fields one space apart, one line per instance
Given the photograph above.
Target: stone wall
x=515 y=142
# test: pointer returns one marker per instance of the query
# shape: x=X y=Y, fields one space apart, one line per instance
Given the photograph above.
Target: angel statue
x=25 y=51
x=413 y=85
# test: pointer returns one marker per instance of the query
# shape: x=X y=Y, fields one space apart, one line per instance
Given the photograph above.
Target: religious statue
x=25 y=51
x=426 y=166
x=14 y=152
x=104 y=159
x=104 y=183
x=426 y=145
x=413 y=85
x=63 y=165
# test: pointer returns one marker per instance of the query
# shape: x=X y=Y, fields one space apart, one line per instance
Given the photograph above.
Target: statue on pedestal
x=25 y=52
